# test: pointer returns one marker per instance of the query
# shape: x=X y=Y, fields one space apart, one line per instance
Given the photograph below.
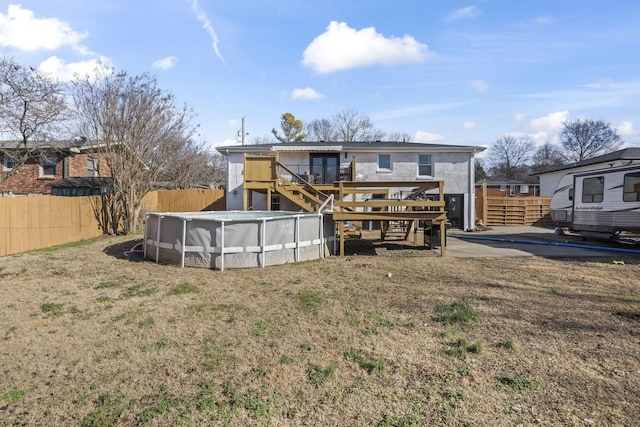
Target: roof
x=84 y=181
x=630 y=153
x=75 y=145
x=503 y=181
x=336 y=146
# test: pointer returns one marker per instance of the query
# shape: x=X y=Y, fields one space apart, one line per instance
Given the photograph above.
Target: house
x=549 y=180
x=499 y=187
x=388 y=170
x=83 y=186
x=51 y=161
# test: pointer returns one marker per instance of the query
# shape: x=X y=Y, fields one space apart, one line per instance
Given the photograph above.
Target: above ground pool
x=237 y=239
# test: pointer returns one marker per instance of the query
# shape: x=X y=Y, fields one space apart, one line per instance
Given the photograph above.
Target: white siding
x=455 y=169
x=549 y=181
x=235 y=181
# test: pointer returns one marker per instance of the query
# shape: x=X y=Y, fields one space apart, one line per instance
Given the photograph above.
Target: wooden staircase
x=396 y=230
x=265 y=175
x=302 y=193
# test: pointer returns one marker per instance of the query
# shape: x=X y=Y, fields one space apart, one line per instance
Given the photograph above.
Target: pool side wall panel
x=243 y=240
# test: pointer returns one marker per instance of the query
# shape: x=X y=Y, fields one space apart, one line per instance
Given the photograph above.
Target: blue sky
x=441 y=71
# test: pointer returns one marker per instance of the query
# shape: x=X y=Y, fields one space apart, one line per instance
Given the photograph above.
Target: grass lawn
x=92 y=338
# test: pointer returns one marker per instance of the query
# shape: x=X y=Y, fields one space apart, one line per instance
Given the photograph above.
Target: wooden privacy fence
x=191 y=200
x=28 y=223
x=513 y=210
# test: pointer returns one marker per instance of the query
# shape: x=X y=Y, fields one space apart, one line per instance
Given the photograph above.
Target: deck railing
x=320 y=175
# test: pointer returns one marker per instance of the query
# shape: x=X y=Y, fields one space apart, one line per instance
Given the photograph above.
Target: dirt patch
x=89 y=336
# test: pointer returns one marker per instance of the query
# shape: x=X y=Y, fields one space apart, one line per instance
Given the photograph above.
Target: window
x=503 y=187
x=384 y=161
x=9 y=162
x=631 y=191
x=524 y=188
x=92 y=167
x=48 y=166
x=593 y=189
x=424 y=165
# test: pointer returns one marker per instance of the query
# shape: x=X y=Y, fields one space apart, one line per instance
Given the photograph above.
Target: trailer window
x=593 y=189
x=631 y=192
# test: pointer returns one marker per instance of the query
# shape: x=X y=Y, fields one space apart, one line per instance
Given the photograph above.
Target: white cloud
x=20 y=29
x=422 y=136
x=341 y=47
x=626 y=129
x=550 y=123
x=542 y=137
x=307 y=94
x=520 y=117
x=470 y=125
x=469 y=12
x=480 y=85
x=166 y=63
x=225 y=143
x=57 y=68
x=206 y=24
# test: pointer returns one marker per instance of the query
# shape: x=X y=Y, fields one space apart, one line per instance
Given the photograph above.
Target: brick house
x=499 y=187
x=55 y=160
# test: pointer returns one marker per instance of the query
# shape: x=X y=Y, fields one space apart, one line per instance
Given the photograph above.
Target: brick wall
x=27 y=180
x=494 y=191
x=78 y=165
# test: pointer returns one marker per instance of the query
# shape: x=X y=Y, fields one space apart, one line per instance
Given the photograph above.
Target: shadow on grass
x=131 y=250
x=372 y=247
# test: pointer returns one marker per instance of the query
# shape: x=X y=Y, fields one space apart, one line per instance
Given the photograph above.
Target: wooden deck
x=266 y=175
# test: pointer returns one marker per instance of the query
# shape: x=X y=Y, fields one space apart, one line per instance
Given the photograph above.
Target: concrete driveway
x=505 y=241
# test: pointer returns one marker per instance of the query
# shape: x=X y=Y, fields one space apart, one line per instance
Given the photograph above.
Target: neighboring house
x=549 y=180
x=499 y=187
x=323 y=163
x=82 y=186
x=54 y=160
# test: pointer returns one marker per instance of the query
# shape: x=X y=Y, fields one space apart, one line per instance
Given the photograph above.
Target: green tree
x=480 y=172
x=292 y=129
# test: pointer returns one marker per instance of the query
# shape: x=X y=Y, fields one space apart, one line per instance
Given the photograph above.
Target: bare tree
x=263 y=140
x=546 y=158
x=192 y=167
x=321 y=130
x=508 y=156
x=399 y=137
x=350 y=126
x=32 y=111
x=138 y=128
x=219 y=167
x=585 y=139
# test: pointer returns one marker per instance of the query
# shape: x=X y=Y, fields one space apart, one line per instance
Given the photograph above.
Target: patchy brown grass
x=88 y=337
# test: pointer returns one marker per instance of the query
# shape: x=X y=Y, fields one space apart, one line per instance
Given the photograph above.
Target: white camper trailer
x=603 y=201
x=561 y=205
